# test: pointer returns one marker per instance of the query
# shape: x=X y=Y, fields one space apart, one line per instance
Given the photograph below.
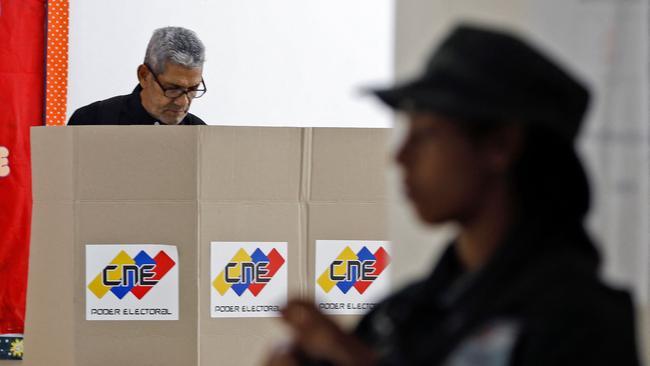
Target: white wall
x=273 y=63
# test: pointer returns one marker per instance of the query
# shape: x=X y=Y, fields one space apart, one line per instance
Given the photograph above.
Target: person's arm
x=318 y=340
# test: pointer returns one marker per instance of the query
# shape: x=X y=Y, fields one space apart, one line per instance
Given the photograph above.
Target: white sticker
x=248 y=279
x=351 y=275
x=131 y=282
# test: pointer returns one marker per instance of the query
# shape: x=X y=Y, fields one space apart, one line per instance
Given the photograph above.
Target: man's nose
x=183 y=100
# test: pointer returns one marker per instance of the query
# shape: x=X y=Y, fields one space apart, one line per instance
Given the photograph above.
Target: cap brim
x=402 y=96
x=418 y=96
x=393 y=97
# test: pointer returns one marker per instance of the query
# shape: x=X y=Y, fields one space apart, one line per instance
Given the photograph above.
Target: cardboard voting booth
x=176 y=245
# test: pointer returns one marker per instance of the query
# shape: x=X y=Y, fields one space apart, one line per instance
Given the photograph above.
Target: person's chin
x=172 y=118
x=430 y=215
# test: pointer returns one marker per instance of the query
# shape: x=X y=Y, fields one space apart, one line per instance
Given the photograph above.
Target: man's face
x=170 y=111
x=444 y=172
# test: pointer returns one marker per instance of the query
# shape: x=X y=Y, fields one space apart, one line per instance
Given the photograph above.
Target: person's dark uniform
x=541 y=289
x=121 y=110
x=538 y=300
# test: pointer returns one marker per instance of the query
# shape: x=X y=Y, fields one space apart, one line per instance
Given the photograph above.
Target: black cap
x=479 y=73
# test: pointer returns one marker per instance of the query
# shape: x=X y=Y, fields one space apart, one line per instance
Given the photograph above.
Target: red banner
x=21 y=91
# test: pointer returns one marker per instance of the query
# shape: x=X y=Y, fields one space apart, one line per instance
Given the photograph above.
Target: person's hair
x=547 y=177
x=550 y=179
x=177 y=45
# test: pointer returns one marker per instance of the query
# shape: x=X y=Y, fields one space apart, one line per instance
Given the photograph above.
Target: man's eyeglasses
x=173 y=93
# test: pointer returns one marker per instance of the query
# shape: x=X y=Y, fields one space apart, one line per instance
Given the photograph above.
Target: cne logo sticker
x=135 y=275
x=354 y=270
x=131 y=282
x=248 y=272
x=351 y=275
x=249 y=279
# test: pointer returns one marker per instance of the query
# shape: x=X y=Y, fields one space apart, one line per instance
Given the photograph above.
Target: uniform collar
x=135 y=109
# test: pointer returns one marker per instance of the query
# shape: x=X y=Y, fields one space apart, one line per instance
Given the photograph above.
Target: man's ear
x=143 y=71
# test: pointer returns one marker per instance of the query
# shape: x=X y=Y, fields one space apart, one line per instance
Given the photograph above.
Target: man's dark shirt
x=121 y=110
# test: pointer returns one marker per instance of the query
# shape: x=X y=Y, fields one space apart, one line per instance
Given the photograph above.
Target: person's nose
x=183 y=101
x=403 y=153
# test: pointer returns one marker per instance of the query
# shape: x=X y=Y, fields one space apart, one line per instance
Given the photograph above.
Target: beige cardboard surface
x=261 y=169
x=643 y=333
x=347 y=164
x=188 y=187
x=250 y=164
x=121 y=186
x=52 y=158
x=153 y=342
x=135 y=163
x=241 y=341
x=49 y=322
x=51 y=302
x=342 y=221
x=347 y=192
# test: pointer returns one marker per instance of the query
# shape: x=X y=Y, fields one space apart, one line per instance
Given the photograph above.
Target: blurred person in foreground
x=490 y=146
x=170 y=78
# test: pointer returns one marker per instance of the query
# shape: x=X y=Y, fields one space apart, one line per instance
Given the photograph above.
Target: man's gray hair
x=177 y=45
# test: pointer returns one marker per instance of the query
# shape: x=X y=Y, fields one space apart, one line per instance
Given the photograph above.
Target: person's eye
x=173 y=92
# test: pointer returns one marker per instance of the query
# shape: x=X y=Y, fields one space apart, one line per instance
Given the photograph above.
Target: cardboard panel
x=348 y=164
x=249 y=163
x=643 y=323
x=244 y=341
x=342 y=221
x=138 y=342
x=49 y=334
x=52 y=163
x=136 y=162
x=189 y=186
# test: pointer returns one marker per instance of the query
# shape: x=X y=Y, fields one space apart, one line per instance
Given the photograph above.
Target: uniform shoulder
x=578 y=318
x=94 y=113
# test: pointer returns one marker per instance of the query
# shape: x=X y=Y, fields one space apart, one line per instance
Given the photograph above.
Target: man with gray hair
x=169 y=79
